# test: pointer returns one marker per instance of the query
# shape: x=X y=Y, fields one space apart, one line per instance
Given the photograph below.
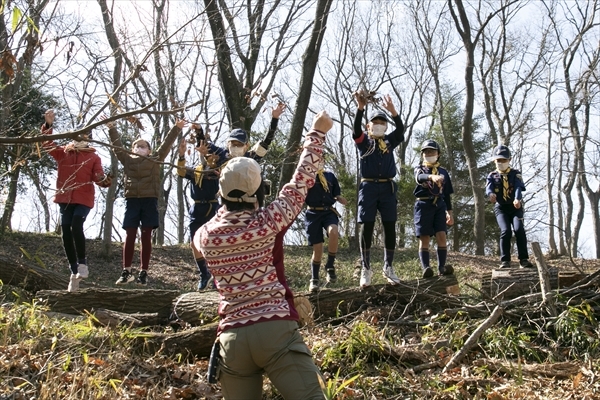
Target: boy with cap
x=258 y=329
x=504 y=187
x=321 y=214
x=204 y=186
x=142 y=186
x=79 y=167
x=433 y=208
x=377 y=190
x=237 y=143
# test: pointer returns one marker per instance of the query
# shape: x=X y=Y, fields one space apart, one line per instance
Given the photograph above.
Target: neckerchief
x=505 y=187
x=198 y=175
x=433 y=166
x=323 y=180
x=381 y=144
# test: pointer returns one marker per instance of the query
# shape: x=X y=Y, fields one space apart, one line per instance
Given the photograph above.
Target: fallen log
x=31 y=277
x=196 y=341
x=128 y=301
x=559 y=370
x=515 y=282
x=111 y=318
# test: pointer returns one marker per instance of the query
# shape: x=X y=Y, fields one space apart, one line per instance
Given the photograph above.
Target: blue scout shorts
x=315 y=222
x=430 y=217
x=377 y=196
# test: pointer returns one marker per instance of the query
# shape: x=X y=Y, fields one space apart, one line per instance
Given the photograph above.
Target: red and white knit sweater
x=238 y=247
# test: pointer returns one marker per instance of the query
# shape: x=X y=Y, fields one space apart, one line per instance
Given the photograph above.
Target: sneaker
x=73 y=284
x=142 y=278
x=313 y=286
x=82 y=271
x=446 y=270
x=390 y=275
x=525 y=263
x=126 y=277
x=365 y=277
x=427 y=272
x=505 y=264
x=203 y=283
x=331 y=276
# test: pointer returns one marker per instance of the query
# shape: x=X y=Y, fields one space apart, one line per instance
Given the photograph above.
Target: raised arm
x=166 y=145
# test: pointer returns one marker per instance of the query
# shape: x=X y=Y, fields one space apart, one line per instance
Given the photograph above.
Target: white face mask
x=378 y=131
x=141 y=151
x=430 y=159
x=237 y=151
x=502 y=166
x=79 y=144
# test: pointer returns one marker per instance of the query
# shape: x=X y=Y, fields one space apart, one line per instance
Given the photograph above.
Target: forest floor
x=353 y=370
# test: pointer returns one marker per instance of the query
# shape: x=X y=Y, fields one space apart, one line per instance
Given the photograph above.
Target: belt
x=376 y=180
x=433 y=198
x=205 y=201
x=332 y=209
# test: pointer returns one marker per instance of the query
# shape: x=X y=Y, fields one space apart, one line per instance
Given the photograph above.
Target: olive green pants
x=275 y=348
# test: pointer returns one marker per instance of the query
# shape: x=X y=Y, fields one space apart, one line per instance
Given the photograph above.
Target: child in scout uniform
x=321 y=214
x=204 y=186
x=377 y=189
x=504 y=187
x=238 y=142
x=433 y=208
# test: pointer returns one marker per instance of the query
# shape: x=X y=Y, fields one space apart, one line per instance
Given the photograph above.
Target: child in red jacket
x=79 y=168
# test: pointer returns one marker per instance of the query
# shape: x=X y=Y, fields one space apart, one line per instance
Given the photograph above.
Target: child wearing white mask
x=504 y=187
x=433 y=208
x=238 y=142
x=142 y=187
x=377 y=190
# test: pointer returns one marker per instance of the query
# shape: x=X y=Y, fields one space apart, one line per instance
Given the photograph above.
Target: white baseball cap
x=243 y=174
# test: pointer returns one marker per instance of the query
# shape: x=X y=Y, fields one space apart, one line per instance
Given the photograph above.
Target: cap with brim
x=501 y=152
x=243 y=174
x=379 y=115
x=238 y=134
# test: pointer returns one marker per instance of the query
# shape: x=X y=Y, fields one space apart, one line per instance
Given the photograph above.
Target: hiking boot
x=142 y=278
x=313 y=286
x=446 y=270
x=505 y=264
x=390 y=275
x=427 y=272
x=365 y=277
x=331 y=276
x=126 y=277
x=203 y=283
x=525 y=263
x=82 y=271
x=73 y=284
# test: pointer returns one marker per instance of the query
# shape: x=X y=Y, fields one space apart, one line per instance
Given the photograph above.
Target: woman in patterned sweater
x=258 y=331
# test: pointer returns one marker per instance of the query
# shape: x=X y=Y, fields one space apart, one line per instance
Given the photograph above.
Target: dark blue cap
x=379 y=115
x=501 y=152
x=238 y=134
x=430 y=144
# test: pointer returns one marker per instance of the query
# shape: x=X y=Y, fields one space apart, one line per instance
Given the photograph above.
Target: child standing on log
x=504 y=187
x=377 y=190
x=433 y=207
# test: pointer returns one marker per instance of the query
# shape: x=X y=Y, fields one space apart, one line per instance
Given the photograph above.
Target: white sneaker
x=390 y=275
x=73 y=284
x=314 y=285
x=82 y=271
x=365 y=277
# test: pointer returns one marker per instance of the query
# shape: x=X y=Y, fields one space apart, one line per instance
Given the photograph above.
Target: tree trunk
x=42 y=198
x=11 y=198
x=309 y=66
